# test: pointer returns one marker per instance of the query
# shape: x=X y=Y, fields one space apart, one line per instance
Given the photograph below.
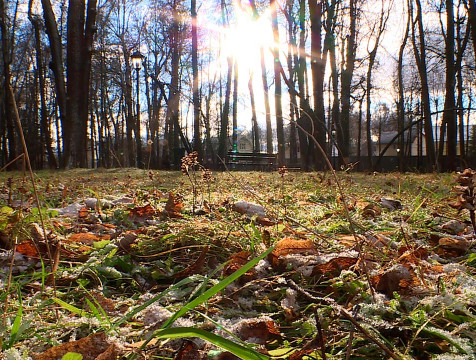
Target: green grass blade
x=72 y=308
x=225 y=344
x=94 y=310
x=16 y=326
x=215 y=289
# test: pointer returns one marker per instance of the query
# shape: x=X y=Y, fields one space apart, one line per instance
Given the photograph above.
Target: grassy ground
x=377 y=266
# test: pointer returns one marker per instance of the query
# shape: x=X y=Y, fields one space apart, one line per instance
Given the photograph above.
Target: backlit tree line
x=68 y=65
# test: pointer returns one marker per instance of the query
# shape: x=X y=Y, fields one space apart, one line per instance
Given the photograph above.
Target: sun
x=244 y=40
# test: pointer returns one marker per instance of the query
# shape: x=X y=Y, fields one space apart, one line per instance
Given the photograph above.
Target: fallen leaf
x=83 y=213
x=371 y=211
x=195 y=268
x=91 y=347
x=27 y=248
x=235 y=262
x=452 y=247
x=335 y=266
x=173 y=207
x=188 y=351
x=398 y=278
x=106 y=304
x=300 y=354
x=390 y=204
x=289 y=246
x=141 y=213
x=83 y=238
x=259 y=332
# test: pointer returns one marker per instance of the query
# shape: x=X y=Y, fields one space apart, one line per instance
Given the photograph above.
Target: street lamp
x=137 y=64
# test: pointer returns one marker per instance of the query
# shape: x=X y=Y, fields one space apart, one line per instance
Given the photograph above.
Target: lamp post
x=137 y=64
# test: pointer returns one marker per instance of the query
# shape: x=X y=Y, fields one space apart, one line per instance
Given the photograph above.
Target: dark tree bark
x=471 y=4
x=8 y=115
x=223 y=139
x=449 y=114
x=197 y=141
x=235 y=107
x=254 y=120
x=401 y=98
x=420 y=58
x=44 y=121
x=317 y=70
x=277 y=86
x=74 y=112
x=372 y=56
x=461 y=44
x=293 y=108
x=346 y=80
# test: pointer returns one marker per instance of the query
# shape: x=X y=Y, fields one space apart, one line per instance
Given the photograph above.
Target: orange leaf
x=83 y=238
x=142 y=212
x=335 y=266
x=83 y=213
x=27 y=248
x=290 y=246
x=92 y=347
x=173 y=206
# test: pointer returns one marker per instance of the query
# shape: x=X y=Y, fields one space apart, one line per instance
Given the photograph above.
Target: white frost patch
x=289 y=302
x=15 y=354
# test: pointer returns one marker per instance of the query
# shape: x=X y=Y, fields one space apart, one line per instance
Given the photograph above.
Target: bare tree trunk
x=7 y=48
x=44 y=122
x=293 y=108
x=471 y=4
x=223 y=140
x=401 y=98
x=461 y=44
x=277 y=86
x=264 y=79
x=317 y=69
x=346 y=80
x=254 y=121
x=235 y=107
x=372 y=55
x=197 y=141
x=304 y=120
x=57 y=67
x=420 y=57
x=449 y=114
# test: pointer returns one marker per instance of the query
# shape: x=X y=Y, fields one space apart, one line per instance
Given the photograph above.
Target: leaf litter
x=140 y=250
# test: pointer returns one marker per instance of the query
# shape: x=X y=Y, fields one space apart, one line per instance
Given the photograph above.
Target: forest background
x=140 y=83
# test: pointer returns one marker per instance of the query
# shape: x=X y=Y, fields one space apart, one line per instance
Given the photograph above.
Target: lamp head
x=137 y=60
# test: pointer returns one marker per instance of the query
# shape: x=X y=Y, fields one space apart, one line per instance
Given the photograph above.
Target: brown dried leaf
x=141 y=213
x=289 y=246
x=83 y=238
x=173 y=206
x=299 y=355
x=195 y=268
x=91 y=347
x=335 y=266
x=106 y=304
x=260 y=332
x=398 y=278
x=27 y=248
x=83 y=214
x=235 y=262
x=188 y=351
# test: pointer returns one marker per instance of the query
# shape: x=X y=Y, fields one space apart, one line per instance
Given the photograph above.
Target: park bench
x=251 y=161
